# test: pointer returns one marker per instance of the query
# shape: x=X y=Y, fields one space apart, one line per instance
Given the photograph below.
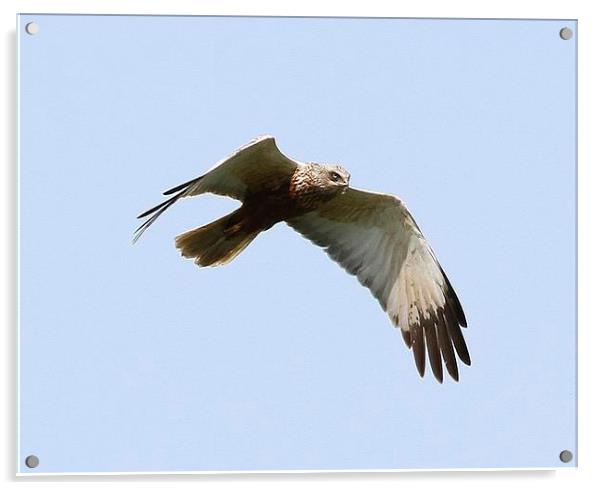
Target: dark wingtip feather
x=461 y=348
x=460 y=314
x=418 y=348
x=455 y=334
x=144 y=226
x=433 y=349
x=181 y=186
x=156 y=211
x=406 y=337
x=452 y=299
x=151 y=210
x=447 y=349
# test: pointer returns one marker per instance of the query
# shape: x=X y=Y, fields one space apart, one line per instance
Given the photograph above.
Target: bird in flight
x=371 y=235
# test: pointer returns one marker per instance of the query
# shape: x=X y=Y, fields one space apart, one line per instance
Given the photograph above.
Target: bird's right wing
x=253 y=167
x=374 y=237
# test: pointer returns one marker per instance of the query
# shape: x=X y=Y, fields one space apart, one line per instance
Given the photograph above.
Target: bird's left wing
x=374 y=237
x=255 y=166
x=249 y=169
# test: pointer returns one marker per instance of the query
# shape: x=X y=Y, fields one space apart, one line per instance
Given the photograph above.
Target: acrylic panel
x=133 y=359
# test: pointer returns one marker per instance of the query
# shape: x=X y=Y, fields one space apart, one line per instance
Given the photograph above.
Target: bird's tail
x=216 y=243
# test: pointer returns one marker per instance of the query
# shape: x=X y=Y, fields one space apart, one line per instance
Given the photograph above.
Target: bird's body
x=285 y=198
x=371 y=235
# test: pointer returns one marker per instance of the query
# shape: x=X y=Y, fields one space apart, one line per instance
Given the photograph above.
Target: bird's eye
x=335 y=177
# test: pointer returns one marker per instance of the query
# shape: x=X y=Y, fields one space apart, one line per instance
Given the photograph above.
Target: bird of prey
x=371 y=235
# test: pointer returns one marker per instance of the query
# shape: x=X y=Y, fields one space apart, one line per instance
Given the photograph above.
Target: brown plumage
x=371 y=235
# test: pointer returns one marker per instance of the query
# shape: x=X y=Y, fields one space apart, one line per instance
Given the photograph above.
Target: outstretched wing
x=374 y=237
x=253 y=167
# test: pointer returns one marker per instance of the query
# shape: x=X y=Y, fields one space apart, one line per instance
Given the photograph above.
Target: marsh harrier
x=371 y=235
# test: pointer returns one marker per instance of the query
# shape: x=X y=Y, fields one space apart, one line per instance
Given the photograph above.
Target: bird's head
x=314 y=179
x=333 y=177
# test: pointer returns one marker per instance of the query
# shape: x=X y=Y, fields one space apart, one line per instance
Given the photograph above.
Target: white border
x=215 y=472
x=18 y=245
x=590 y=156
x=287 y=472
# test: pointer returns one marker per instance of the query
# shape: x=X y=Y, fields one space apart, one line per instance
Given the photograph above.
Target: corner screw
x=566 y=33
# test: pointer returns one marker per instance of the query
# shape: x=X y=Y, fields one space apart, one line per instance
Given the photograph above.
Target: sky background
x=133 y=359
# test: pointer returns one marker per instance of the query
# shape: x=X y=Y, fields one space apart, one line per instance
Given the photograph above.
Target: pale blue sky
x=134 y=359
